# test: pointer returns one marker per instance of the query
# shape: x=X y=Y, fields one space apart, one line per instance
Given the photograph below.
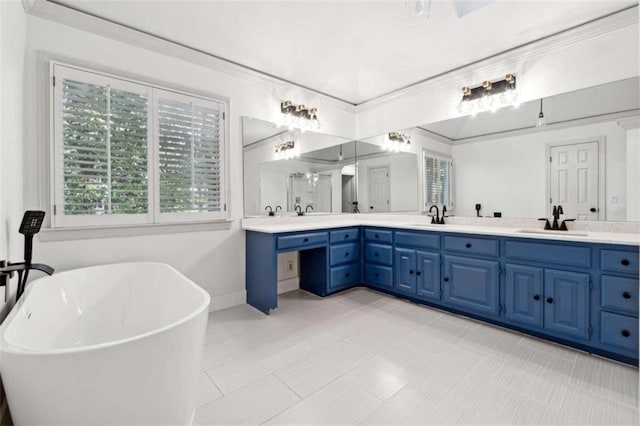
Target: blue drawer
x=378 y=235
x=378 y=276
x=378 y=253
x=619 y=261
x=619 y=293
x=417 y=239
x=619 y=331
x=344 y=253
x=470 y=245
x=549 y=253
x=343 y=276
x=345 y=235
x=302 y=240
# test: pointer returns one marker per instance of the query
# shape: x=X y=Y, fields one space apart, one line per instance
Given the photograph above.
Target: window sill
x=89 y=233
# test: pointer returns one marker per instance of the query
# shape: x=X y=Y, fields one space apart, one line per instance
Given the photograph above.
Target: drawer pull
x=347 y=275
x=536 y=297
x=410 y=271
x=377 y=275
x=376 y=236
x=625 y=262
x=375 y=254
x=346 y=236
x=306 y=240
x=445 y=279
x=549 y=299
x=468 y=245
x=346 y=254
x=418 y=273
x=625 y=333
x=626 y=295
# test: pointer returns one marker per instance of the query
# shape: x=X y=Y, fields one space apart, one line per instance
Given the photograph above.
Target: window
x=438 y=181
x=130 y=153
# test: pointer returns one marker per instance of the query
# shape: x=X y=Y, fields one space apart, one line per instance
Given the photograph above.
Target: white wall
x=213 y=259
x=633 y=174
x=12 y=67
x=508 y=174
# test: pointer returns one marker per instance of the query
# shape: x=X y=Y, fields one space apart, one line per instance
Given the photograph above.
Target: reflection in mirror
x=586 y=158
x=310 y=172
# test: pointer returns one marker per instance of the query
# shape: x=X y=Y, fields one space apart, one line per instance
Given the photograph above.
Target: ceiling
x=618 y=97
x=351 y=50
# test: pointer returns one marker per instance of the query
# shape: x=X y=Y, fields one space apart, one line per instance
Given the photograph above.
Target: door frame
x=378 y=166
x=601 y=141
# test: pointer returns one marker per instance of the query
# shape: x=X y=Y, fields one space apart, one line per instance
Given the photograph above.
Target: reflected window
x=438 y=181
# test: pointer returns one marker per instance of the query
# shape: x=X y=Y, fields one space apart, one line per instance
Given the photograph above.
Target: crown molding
x=513 y=58
x=630 y=122
x=75 y=18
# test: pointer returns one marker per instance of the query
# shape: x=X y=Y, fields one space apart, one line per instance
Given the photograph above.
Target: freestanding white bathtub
x=117 y=344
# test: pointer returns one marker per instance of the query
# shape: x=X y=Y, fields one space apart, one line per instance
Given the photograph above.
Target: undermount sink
x=548 y=231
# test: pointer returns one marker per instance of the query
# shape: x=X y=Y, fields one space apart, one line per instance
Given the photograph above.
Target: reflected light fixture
x=299 y=116
x=489 y=96
x=540 y=121
x=286 y=150
x=397 y=142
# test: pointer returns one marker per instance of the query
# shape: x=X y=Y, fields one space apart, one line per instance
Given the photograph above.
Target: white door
x=379 y=189
x=574 y=180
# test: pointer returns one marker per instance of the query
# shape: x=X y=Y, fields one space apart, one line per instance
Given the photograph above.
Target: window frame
x=442 y=157
x=59 y=70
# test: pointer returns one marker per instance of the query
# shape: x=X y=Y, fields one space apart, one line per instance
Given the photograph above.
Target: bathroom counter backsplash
x=627 y=233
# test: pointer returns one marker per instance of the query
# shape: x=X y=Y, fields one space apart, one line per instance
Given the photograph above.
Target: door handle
x=593 y=210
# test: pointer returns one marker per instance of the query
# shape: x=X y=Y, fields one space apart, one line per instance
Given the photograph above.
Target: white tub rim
x=8 y=348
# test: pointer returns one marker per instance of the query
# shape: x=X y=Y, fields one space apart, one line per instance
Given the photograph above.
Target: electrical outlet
x=290 y=265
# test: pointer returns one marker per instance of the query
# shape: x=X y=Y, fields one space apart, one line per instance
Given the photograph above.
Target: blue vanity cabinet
x=471 y=284
x=566 y=303
x=378 y=258
x=616 y=302
x=344 y=260
x=523 y=295
x=416 y=270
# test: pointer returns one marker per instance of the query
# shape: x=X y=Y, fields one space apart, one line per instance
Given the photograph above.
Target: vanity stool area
x=579 y=294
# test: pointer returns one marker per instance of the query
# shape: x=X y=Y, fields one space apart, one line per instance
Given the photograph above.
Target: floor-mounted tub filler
x=113 y=344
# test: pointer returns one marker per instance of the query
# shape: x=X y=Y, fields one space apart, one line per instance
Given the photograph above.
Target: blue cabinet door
x=428 y=275
x=523 y=297
x=405 y=270
x=471 y=284
x=566 y=307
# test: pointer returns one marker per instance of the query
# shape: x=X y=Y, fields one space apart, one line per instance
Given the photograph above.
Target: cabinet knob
x=377 y=275
x=626 y=295
x=418 y=273
x=375 y=254
x=468 y=245
x=549 y=299
x=625 y=262
x=347 y=275
x=306 y=240
x=445 y=279
x=346 y=237
x=536 y=297
x=346 y=254
x=625 y=333
x=375 y=236
x=410 y=271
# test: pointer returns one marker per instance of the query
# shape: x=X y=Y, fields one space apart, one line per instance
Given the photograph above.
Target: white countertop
x=279 y=224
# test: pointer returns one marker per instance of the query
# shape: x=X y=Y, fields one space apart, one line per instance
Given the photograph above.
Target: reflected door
x=379 y=189
x=574 y=180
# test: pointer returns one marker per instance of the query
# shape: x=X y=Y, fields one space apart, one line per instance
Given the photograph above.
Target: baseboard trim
x=286 y=286
x=228 y=300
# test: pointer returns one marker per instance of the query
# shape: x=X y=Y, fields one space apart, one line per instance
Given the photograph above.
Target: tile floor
x=368 y=358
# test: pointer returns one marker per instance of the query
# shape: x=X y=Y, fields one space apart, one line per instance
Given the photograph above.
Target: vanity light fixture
x=299 y=116
x=540 y=121
x=397 y=142
x=286 y=150
x=489 y=96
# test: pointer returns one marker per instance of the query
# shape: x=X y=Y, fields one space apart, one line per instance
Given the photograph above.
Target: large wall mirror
x=585 y=156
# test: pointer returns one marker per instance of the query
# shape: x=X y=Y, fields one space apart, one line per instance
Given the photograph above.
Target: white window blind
x=438 y=181
x=112 y=166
